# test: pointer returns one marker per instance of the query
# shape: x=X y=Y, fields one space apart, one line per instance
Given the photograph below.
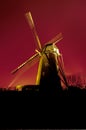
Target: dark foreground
x=34 y=107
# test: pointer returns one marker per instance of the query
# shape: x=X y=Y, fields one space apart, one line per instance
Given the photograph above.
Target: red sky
x=51 y=17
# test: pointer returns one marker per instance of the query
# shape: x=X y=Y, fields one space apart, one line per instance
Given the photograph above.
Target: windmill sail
x=32 y=26
x=29 y=61
x=56 y=39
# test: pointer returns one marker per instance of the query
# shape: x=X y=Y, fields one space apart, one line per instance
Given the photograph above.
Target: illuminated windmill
x=50 y=69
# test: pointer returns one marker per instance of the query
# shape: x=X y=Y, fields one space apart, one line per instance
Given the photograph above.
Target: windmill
x=50 y=68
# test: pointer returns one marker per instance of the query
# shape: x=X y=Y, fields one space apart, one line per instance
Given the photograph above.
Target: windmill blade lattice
x=56 y=39
x=30 y=61
x=32 y=26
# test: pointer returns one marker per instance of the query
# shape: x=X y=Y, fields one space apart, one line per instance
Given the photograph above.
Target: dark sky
x=51 y=17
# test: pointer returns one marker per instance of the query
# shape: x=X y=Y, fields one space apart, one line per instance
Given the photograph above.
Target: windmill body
x=50 y=70
x=47 y=76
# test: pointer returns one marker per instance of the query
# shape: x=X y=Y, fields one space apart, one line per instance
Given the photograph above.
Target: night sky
x=51 y=17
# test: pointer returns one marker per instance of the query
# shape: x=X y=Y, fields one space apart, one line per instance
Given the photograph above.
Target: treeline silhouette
x=37 y=90
x=77 y=80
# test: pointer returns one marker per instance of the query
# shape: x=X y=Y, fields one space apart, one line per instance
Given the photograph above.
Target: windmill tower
x=50 y=69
